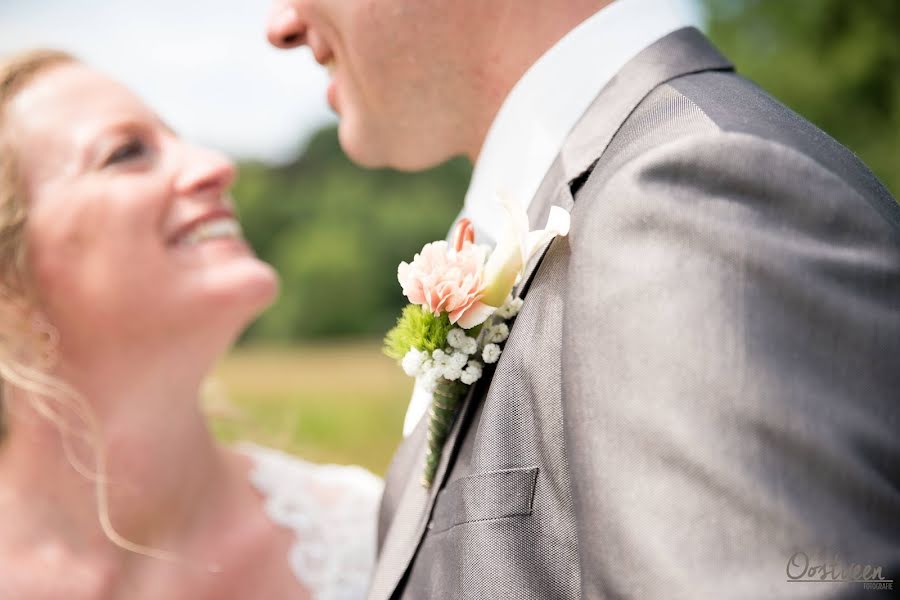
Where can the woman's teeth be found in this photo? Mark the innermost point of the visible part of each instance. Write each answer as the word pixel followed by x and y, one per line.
pixel 216 229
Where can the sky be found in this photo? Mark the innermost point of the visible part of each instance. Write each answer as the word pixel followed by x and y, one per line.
pixel 204 65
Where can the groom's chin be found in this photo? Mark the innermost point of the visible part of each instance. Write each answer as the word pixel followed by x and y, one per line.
pixel 363 148
pixel 379 151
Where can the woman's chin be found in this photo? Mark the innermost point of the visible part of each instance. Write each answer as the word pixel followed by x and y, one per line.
pixel 242 289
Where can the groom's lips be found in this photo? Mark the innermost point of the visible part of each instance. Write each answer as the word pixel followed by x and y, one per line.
pixel 325 57
pixel 332 95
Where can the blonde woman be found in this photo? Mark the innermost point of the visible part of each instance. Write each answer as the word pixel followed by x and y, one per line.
pixel 124 278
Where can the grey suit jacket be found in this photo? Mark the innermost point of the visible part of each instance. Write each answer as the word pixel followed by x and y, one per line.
pixel 703 386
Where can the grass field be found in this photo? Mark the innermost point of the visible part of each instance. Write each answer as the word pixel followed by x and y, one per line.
pixel 341 403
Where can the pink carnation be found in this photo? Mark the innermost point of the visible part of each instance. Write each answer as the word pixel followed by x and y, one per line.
pixel 443 280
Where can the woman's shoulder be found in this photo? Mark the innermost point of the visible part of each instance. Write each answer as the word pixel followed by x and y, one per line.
pixel 332 512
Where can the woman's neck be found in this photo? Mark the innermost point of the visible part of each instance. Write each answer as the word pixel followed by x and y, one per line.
pixel 163 477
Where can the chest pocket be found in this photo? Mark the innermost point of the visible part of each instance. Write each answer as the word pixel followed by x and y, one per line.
pixel 484 497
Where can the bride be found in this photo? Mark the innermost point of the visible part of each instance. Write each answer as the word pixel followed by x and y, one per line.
pixel 124 278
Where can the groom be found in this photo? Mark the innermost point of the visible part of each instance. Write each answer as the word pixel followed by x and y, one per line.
pixel 701 395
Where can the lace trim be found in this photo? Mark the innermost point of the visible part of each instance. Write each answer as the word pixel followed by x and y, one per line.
pixel 332 511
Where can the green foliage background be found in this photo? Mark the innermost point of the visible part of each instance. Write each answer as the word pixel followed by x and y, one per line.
pixel 836 62
pixel 336 232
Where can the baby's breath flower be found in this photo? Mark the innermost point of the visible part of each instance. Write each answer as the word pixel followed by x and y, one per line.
pixel 469 376
pixel 412 362
pixel 459 359
pixel 469 346
pixel 456 338
pixel 472 373
pixel 451 372
pixel 491 354
pixel 510 308
pixel 498 333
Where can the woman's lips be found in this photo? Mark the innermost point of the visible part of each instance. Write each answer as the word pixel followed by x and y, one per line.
pixel 214 225
pixel 215 229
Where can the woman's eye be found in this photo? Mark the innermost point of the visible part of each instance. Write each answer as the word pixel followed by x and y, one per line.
pixel 128 151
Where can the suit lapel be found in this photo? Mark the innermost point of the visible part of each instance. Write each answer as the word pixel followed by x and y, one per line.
pixel 680 53
pixel 415 505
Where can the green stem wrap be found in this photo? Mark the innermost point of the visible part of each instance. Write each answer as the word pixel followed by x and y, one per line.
pixel 445 403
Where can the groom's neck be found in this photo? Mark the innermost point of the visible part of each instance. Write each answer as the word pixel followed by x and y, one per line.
pixel 518 38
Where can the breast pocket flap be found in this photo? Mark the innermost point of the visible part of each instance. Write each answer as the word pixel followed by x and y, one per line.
pixel 484 497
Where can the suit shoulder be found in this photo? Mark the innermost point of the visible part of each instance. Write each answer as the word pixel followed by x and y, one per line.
pixel 718 126
pixel 737 105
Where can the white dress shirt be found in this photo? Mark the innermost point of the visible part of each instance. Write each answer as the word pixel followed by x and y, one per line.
pixel 543 107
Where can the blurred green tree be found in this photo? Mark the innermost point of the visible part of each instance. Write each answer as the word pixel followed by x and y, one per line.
pixel 836 62
pixel 336 233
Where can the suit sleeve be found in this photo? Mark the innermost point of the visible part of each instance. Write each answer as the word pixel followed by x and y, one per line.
pixel 731 376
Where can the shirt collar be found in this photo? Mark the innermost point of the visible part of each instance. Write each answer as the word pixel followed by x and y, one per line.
pixel 543 107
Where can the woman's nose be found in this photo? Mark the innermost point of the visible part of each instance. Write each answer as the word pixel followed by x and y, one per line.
pixel 285 28
pixel 206 172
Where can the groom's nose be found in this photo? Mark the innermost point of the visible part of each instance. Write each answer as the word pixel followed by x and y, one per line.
pixel 285 28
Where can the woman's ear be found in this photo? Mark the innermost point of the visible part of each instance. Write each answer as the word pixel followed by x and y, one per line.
pixel 26 336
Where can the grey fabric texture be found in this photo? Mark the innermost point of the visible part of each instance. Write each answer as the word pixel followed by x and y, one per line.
pixel 705 375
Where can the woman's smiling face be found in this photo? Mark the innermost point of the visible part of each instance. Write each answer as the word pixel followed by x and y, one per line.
pixel 130 236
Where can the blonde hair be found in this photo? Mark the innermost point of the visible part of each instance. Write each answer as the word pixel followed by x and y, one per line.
pixel 20 353
pixel 16 72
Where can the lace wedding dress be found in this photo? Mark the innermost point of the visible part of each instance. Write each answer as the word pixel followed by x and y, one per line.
pixel 332 511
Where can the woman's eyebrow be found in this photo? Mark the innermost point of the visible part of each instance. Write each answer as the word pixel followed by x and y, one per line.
pixel 93 144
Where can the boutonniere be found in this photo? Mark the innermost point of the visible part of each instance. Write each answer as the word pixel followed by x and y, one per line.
pixel 460 307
